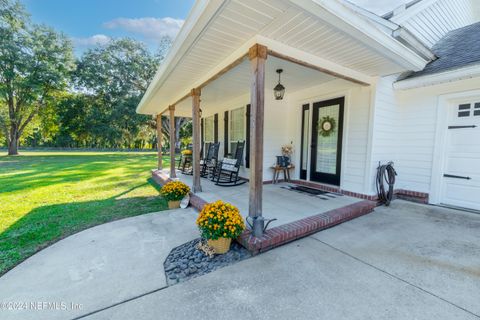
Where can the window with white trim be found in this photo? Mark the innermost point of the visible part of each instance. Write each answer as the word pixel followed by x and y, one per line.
pixel 208 129
pixel 237 127
pixel 468 109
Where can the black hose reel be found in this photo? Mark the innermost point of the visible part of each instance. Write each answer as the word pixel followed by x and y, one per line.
pixel 385 177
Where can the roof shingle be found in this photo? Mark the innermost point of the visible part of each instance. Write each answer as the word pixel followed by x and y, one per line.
pixel 458 48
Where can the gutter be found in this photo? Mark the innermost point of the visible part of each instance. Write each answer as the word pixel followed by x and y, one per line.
pixel 439 78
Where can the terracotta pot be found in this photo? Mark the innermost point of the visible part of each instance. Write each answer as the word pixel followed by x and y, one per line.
pixel 173 204
pixel 221 245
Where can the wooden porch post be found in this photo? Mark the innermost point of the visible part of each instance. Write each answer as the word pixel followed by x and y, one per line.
pixel 172 141
pixel 258 56
pixel 196 139
pixel 159 141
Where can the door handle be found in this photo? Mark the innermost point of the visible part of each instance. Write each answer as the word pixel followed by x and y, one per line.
pixel 462 127
pixel 456 177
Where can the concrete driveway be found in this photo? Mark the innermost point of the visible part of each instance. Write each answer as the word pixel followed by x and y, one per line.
pixel 404 262
pixel 96 267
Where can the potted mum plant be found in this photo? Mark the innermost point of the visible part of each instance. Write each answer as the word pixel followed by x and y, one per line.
pixel 220 222
pixel 174 192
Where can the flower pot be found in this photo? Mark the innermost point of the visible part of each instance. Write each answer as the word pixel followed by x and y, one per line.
pixel 221 245
pixel 174 204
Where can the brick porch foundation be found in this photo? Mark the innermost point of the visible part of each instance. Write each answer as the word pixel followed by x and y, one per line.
pixel 285 233
pixel 413 196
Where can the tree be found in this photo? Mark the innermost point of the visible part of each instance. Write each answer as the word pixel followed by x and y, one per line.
pixel 118 74
pixel 35 63
pixel 180 122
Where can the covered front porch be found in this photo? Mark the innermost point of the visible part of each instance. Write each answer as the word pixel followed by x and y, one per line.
pixel 243 90
pixel 222 72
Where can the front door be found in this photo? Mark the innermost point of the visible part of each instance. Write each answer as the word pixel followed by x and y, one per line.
pixel 327 132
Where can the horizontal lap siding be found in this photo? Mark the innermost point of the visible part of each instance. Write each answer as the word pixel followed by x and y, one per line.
pixel 283 125
pixel 404 133
pixel 387 125
pixel 431 24
pixel 404 130
pixel 276 125
pixel 356 127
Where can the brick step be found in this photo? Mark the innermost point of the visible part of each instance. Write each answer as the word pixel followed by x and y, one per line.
pixel 285 233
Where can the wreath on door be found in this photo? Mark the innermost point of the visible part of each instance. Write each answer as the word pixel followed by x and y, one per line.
pixel 327 126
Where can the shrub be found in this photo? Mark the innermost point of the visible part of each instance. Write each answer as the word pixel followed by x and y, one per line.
pixel 187 152
pixel 174 191
pixel 220 220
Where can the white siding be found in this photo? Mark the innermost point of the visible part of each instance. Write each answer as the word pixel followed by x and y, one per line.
pixel 419 120
pixel 283 126
pixel 432 23
pixel 275 127
pixel 403 133
pixel 404 130
pixel 356 127
pixel 386 125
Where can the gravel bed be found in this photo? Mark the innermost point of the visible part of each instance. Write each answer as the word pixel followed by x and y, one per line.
pixel 186 261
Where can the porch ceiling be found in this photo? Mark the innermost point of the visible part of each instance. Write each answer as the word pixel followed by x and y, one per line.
pixel 219 31
pixel 236 83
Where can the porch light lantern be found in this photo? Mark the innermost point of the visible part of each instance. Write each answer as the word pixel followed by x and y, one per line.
pixel 279 90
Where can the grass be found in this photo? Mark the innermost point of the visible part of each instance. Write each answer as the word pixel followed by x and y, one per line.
pixel 46 196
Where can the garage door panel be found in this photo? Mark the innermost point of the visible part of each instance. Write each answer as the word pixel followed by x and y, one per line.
pixel 461 186
pixel 463 165
pixel 454 194
pixel 469 137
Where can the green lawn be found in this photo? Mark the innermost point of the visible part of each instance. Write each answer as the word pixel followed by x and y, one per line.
pixel 46 196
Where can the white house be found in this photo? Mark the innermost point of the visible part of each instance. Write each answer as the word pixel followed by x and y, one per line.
pixel 404 87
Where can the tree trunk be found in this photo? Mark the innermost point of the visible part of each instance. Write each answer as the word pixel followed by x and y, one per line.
pixel 13 146
pixel 179 122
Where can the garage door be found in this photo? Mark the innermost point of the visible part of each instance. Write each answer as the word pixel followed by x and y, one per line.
pixel 461 176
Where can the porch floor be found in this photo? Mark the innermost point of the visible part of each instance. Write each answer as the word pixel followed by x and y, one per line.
pixel 278 202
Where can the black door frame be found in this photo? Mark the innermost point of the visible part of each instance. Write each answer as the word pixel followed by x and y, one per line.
pixel 333 179
pixel 305 122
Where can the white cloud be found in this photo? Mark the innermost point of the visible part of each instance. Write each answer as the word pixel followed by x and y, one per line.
pixel 98 39
pixel 150 28
pixel 379 7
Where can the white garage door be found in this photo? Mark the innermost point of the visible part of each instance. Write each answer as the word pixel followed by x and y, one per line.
pixel 461 176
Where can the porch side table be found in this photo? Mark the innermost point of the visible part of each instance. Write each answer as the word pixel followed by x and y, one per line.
pixel 286 172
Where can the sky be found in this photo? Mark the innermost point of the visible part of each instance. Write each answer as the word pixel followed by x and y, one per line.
pixel 93 22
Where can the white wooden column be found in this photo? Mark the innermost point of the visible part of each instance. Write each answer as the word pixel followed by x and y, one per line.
pixel 196 139
pixel 159 141
pixel 172 141
pixel 258 56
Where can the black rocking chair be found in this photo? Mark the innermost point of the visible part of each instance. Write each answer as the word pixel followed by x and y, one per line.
pixel 226 173
pixel 186 162
pixel 211 159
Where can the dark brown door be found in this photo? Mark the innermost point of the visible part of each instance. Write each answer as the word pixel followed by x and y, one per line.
pixel 326 147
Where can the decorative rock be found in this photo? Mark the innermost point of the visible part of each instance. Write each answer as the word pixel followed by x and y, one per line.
pixel 186 261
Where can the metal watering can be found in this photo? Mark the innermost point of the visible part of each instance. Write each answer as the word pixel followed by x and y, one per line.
pixel 258 225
